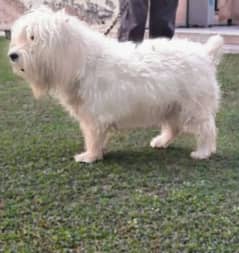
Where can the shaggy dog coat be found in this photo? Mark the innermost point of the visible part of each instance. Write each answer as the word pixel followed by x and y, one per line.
pixel 105 84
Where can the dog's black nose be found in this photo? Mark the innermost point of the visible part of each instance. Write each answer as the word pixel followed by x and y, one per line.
pixel 13 56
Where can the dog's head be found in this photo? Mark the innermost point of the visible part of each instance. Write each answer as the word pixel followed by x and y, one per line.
pixel 29 48
pixel 40 49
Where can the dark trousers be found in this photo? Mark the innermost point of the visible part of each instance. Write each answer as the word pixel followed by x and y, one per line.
pixel 133 16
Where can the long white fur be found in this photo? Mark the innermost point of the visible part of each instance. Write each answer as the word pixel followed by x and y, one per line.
pixel 105 84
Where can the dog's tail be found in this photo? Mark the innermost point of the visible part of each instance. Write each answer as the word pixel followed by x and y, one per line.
pixel 214 47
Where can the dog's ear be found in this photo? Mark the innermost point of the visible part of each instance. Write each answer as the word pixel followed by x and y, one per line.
pixel 76 53
pixel 39 25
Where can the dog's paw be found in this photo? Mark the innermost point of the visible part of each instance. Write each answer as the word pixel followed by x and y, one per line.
pixel 87 157
pixel 158 142
pixel 200 155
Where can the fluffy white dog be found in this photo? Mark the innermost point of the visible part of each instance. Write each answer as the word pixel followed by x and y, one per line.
pixel 105 84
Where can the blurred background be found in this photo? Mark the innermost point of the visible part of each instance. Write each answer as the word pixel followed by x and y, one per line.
pixel 196 20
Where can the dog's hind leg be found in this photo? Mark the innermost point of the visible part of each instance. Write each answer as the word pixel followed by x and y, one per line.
pixel 168 134
pixel 205 134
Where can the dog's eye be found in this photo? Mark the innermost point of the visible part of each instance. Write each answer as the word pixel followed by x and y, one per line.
pixel 32 37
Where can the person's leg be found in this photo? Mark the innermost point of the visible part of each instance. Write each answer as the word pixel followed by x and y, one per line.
pixel 133 15
pixel 162 18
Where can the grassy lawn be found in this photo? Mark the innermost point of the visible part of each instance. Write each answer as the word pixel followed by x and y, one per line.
pixel 136 200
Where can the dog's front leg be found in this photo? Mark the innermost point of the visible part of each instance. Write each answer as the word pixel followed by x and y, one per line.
pixel 94 137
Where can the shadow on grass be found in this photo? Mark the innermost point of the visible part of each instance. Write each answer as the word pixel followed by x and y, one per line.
pixel 171 154
pixel 144 155
pixel 175 157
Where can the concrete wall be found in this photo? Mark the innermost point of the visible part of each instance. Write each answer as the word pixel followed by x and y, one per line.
pixel 181 18
pixel 228 9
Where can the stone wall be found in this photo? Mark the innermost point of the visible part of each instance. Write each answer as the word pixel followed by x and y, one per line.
pixel 92 11
pixel 98 13
pixel 10 10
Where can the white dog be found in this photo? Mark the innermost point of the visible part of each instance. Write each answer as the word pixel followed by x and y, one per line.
pixel 105 84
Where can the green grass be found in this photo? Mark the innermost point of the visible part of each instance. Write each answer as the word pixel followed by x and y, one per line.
pixel 136 200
